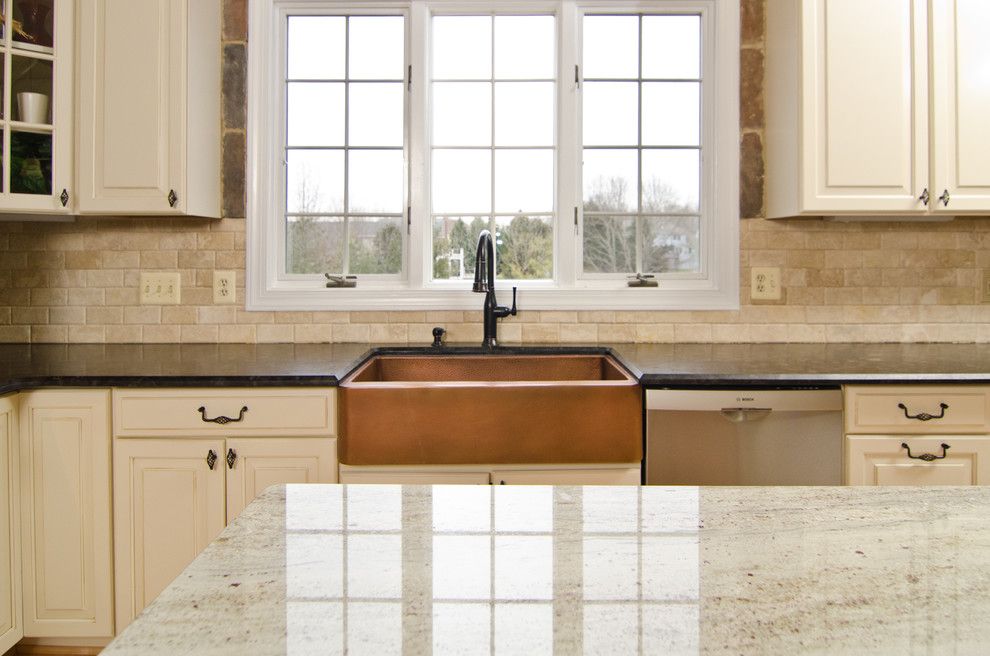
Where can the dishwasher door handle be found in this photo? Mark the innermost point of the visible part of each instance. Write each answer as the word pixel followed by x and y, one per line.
pixel 739 415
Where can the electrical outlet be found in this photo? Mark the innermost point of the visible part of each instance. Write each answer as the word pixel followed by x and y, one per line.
pixel 224 286
pixel 985 290
pixel 160 288
pixel 764 284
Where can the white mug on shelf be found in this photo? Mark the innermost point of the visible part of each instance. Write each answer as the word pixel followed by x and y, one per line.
pixel 32 107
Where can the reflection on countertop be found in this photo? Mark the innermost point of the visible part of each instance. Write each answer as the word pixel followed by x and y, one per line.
pixel 325 569
pixel 24 366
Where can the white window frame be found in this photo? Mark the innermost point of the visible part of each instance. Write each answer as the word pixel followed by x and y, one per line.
pixel 267 288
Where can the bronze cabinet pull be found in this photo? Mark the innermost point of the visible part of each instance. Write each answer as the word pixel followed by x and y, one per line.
pixel 231 458
pixel 924 416
pixel 211 459
pixel 927 457
pixel 925 197
pixel 944 198
pixel 222 419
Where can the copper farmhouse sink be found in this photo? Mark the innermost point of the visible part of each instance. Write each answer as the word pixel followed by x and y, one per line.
pixel 490 409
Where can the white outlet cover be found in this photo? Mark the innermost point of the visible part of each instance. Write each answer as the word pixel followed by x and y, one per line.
pixel 224 287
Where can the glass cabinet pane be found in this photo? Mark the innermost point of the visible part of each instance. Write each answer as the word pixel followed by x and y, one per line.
pixel 31 89
pixel 32 24
pixel 30 163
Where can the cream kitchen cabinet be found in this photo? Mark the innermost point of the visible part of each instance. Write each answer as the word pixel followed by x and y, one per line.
pixel 149 107
pixel 849 85
pixel 604 474
pixel 36 107
pixel 917 435
pixel 66 541
pixel 187 462
pixel 11 629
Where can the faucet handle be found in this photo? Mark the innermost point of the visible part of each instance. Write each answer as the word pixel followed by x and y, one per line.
pixel 438 334
pixel 513 310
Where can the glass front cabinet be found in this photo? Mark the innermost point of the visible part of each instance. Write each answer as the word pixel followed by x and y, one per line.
pixel 36 122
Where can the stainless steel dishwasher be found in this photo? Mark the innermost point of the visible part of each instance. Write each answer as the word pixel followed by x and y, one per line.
pixel 744 437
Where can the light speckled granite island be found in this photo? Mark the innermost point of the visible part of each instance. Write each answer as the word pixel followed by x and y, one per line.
pixel 567 570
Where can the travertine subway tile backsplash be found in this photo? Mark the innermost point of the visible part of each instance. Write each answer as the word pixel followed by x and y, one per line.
pixel 870 282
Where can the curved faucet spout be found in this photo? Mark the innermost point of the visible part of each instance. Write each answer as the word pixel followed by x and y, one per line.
pixel 484 283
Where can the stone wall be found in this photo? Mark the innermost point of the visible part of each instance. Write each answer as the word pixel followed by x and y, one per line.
pixel 871 282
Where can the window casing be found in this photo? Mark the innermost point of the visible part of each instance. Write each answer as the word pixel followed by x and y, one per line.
pixel 709 281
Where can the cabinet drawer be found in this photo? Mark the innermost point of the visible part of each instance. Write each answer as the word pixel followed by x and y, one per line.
pixel 180 412
pixel 884 460
pixel 923 409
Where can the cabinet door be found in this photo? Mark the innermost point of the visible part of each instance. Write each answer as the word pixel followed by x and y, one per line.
pixel 10 564
pixel 168 505
pixel 882 460
pixel 961 102
pixel 130 155
pixel 254 464
pixel 65 513
pixel 865 104
pixel 617 476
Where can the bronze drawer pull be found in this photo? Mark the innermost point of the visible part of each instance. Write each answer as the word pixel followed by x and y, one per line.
pixel 927 457
pixel 924 416
pixel 211 459
pixel 222 419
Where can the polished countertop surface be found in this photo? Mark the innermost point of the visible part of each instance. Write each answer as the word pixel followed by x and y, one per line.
pixel 25 366
pixel 331 569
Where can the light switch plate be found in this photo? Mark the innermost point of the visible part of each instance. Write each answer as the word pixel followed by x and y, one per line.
pixel 764 284
pixel 160 288
pixel 224 287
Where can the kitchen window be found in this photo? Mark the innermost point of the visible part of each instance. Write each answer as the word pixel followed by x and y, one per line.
pixel 596 141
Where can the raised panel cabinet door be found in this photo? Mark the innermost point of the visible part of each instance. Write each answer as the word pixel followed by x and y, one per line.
pixel 66 545
pixel 128 158
pixel 10 563
pixel 254 464
pixel 882 460
pixel 865 101
pixel 961 105
pixel 168 506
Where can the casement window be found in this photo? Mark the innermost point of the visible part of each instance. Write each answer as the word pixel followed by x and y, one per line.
pixel 598 142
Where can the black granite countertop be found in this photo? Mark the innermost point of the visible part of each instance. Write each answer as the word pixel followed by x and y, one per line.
pixel 25 366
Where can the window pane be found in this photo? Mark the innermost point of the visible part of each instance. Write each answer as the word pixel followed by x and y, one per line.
pixel 375 117
pixel 315 181
pixel 671 243
pixel 671 113
pixel 462 113
pixel 316 47
pixel 377 48
pixel 375 245
pixel 670 181
pixel 611 46
pixel 611 113
pixel 314 244
pixel 524 247
pixel 455 243
pixel 523 181
pixel 610 181
pixel 672 47
pixel 524 114
pixel 375 181
pixel 524 47
pixel 462 181
pixel 315 114
pixel 609 244
pixel 462 47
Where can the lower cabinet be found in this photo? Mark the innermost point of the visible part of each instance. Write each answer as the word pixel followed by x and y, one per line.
pixel 494 474
pixel 918 460
pixel 11 629
pixel 173 496
pixel 66 541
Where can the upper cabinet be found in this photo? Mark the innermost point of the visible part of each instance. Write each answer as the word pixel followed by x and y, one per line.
pixel 36 109
pixel 877 107
pixel 149 107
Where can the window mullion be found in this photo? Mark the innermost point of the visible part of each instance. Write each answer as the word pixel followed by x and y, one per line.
pixel 568 141
pixel 420 252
